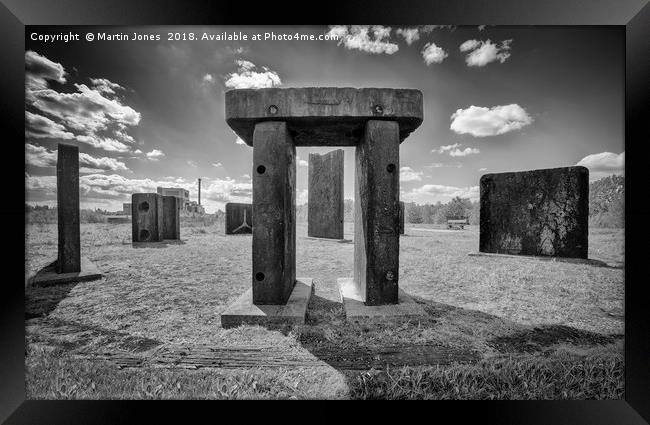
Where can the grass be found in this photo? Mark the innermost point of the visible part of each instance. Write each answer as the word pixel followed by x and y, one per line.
pixel 160 295
pixel 597 377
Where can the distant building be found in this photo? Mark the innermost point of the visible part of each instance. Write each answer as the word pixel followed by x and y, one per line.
pixel 184 196
pixel 194 207
pixel 126 208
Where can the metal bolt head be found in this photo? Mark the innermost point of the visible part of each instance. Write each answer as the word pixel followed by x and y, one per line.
pixel 273 109
pixel 389 275
pixel 378 109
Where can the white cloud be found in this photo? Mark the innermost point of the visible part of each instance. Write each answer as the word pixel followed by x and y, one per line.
pixel 464 152
pixel 39 156
pixel 38 127
pixel 433 54
pixel 443 149
pixel 431 193
pixel 247 77
pixel 410 34
pixel 86 115
pixel 217 164
pixel 481 121
pixel 192 163
pixel 39 70
pixel 101 163
pixel 105 86
pixel 482 169
pixel 603 164
pixel 454 150
pixel 484 52
pixel 208 78
pixel 302 197
pixel 301 162
pixel 407 174
pixel 155 154
pixel 369 39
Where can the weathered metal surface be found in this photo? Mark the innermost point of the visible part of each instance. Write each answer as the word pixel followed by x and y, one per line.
pixel 325 195
pixel 239 218
pixel 67 199
pixel 171 220
pixel 376 225
pixel 539 212
pixel 146 217
pixel 323 116
pixel 274 213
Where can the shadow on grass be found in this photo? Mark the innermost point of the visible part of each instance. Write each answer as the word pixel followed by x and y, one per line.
pixel 42 300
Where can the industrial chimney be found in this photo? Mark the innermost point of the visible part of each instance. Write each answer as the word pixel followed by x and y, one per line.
pixel 199 191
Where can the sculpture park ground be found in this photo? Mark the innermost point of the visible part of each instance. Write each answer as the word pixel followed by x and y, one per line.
pixel 495 327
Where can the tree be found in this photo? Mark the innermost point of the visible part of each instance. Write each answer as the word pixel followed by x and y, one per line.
pixel 458 208
pixel 413 213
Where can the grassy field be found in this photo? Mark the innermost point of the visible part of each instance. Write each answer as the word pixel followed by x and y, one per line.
pixel 496 327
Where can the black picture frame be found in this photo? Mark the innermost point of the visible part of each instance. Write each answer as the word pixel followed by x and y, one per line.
pixel 633 15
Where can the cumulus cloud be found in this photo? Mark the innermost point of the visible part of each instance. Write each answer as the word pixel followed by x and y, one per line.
pixel 208 78
pixel 370 39
pixel 217 164
pixel 155 154
pixel 407 174
pixel 603 164
pixel 39 127
pixel 91 114
pixel 249 76
pixel 410 35
pixel 105 86
pixel 433 54
pixel 39 70
pixel 482 122
pixel 432 193
pixel 483 52
pixel 482 169
pixel 454 150
pixel 39 156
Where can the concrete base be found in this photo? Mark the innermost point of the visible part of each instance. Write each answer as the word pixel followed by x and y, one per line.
pixel 587 261
pixel 48 276
pixel 244 312
pixel 355 309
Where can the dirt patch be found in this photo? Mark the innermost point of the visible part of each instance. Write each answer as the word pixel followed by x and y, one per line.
pixel 541 338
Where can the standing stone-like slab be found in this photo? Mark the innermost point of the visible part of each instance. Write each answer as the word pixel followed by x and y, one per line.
pixel 376 222
pixel 239 218
pixel 146 217
pixel 325 195
pixel 69 265
pixel 401 217
pixel 171 222
pixel 67 198
pixel 274 213
pixel 539 212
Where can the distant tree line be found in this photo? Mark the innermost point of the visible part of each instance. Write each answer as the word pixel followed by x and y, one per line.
pixel 606 209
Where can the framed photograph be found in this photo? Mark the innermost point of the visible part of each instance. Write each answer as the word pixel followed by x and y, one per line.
pixel 403 202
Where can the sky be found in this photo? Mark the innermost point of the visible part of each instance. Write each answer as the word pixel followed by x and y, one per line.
pixel 148 113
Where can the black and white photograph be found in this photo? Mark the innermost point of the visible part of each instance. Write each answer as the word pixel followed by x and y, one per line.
pixel 363 212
